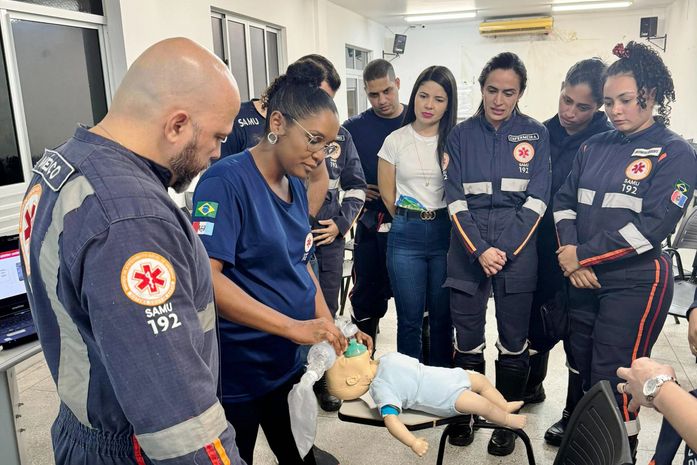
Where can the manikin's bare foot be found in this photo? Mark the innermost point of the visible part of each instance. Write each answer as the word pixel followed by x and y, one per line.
pixel 516 421
pixel 514 406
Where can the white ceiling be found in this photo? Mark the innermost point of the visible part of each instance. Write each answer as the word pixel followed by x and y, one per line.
pixel 392 12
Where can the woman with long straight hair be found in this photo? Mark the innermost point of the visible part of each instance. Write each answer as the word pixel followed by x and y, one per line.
pixel 497 190
pixel 410 177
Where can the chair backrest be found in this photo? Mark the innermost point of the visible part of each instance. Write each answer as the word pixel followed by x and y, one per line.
pixel 595 434
pixel 189 201
pixel 686 235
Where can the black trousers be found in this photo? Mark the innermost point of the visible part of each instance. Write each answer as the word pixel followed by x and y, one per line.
pixel 330 263
pixel 614 325
pixel 371 289
pixel 269 411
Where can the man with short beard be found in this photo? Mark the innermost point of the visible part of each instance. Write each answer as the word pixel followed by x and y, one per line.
pixel 119 284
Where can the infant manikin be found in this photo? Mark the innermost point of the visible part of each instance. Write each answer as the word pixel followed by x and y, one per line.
pixel 397 382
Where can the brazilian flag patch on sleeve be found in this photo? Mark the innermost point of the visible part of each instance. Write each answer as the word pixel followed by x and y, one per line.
pixel 206 209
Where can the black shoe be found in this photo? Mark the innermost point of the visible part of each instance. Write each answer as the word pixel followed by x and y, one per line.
pixel 502 443
pixel 511 382
pixel 633 446
pixel 327 402
pixel 535 396
pixel 534 390
pixel 461 435
pixel 323 457
pixel 555 433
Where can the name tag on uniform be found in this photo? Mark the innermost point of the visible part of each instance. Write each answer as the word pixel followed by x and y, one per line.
pixel 54 169
pixel 523 137
pixel 652 152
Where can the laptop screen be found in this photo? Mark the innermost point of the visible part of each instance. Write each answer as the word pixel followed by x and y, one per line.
pixel 11 276
pixel 13 294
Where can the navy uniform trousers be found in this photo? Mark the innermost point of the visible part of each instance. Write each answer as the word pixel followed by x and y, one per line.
pixel 513 294
pixel 330 262
pixel 614 325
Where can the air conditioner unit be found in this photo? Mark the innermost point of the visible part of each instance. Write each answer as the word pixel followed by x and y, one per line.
pixel 517 26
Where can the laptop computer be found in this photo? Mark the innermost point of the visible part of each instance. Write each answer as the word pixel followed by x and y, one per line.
pixel 16 324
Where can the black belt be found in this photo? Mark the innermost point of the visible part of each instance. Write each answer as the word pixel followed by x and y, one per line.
pixel 429 215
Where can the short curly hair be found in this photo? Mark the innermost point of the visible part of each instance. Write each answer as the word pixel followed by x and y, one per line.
pixel 649 72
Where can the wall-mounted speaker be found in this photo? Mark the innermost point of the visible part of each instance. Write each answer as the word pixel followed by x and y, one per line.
pixel 400 42
pixel 648 26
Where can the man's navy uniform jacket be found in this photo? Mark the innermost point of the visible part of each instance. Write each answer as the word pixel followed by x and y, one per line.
pixel 121 292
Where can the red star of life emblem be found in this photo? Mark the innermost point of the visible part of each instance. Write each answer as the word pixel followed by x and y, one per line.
pixel 28 221
pixel 149 278
pixel 524 152
pixel 638 168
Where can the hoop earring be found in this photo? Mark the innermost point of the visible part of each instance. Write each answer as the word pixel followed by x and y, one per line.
pixel 272 137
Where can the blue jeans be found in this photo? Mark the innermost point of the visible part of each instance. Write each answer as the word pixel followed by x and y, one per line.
pixel 416 261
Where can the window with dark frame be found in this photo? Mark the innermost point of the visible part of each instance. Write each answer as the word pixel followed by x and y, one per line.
pixel 50 104
pixel 251 49
pixel 356 98
pixel 10 163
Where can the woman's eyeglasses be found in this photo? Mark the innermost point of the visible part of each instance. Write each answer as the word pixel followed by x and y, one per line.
pixel 315 143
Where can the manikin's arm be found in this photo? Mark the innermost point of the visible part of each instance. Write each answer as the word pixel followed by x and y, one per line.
pixel 397 429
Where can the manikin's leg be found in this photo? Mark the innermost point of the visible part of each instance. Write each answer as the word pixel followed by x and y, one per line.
pixel 482 386
pixel 471 402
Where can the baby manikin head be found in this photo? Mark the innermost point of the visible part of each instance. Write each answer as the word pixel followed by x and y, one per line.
pixel 350 377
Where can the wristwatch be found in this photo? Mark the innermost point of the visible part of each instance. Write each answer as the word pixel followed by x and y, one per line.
pixel 652 385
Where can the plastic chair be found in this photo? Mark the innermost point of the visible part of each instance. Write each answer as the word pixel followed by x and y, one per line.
pixel 357 411
pixel 685 238
pixel 595 434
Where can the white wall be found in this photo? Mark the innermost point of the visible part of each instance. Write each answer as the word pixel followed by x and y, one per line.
pixel 342 27
pixel 681 58
pixel 309 26
pixel 547 58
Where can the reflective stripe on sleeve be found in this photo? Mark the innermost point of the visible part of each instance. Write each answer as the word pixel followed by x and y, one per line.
pixel 207 317
pixel 474 188
pixel 457 206
pixel 586 196
pixel 186 437
pixel 617 200
pixel 514 185
pixel 74 364
pixel 564 215
pixel 536 205
pixel 355 194
pixel 635 239
pixel 334 183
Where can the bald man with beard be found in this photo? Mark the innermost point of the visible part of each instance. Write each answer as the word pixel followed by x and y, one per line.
pixel 118 281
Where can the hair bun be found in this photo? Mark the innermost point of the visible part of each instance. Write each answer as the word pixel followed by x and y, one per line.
pixel 305 73
pixel 620 51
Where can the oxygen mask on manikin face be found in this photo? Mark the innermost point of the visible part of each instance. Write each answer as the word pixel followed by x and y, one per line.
pixel 302 403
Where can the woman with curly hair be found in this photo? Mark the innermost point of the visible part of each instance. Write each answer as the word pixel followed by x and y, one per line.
pixel 627 190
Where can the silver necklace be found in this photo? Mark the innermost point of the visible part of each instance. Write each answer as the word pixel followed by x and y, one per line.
pixel 418 156
pixel 106 131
